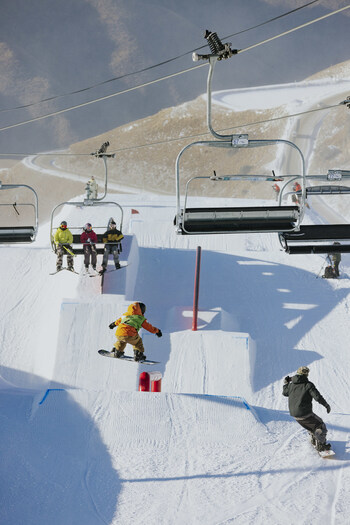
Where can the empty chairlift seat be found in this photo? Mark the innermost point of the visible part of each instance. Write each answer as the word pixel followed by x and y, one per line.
pixel 317 239
pixel 17 234
pixel 235 220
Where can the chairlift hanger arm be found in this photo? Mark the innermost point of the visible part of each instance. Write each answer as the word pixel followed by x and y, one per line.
pixel 101 154
pixel 177 163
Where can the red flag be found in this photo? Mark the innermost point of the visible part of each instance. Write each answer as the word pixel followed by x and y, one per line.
pixel 133 211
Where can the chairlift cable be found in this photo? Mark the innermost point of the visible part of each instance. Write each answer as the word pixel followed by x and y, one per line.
pixel 100 99
pixel 294 29
pixel 82 90
pixel 166 77
pixel 185 137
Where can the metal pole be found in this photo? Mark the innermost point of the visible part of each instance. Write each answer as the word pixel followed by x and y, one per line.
pixel 196 289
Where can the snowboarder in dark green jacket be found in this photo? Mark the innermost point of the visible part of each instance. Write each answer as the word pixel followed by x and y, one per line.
pixel 335 259
pixel 300 392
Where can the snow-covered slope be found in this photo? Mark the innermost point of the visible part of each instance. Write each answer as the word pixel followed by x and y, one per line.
pixel 80 444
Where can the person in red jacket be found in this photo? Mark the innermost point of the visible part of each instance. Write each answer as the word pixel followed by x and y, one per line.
pixel 89 239
pixel 277 190
pixel 128 327
pixel 295 196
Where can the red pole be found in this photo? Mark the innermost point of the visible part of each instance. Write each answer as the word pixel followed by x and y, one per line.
pixel 144 382
pixel 196 289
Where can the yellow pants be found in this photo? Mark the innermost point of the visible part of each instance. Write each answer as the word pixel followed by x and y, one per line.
pixel 133 340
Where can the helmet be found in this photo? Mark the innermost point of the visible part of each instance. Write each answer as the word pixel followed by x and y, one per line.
pixel 303 370
pixel 87 227
pixel 63 225
pixel 143 308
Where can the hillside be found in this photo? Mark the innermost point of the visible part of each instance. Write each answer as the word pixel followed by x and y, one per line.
pixel 138 167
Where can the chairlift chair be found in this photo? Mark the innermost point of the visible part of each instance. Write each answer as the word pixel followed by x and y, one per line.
pixel 258 219
pixel 20 234
pixel 194 221
pixel 320 238
pixel 77 246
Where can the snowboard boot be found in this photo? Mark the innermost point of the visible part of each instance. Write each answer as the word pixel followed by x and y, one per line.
pixel 70 268
pixel 117 266
pixel 313 440
pixel 102 271
pixel 320 447
pixel 139 356
pixel 118 353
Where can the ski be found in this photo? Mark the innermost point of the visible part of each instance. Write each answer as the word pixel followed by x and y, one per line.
pixel 109 271
pixel 58 271
pixel 105 353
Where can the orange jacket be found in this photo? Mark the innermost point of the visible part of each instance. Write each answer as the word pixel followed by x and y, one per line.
pixel 133 315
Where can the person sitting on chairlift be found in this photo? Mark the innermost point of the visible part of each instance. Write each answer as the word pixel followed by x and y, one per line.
pixel 63 240
pixel 89 239
pixel 112 239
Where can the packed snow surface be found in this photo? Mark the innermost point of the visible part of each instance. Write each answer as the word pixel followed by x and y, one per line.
pixel 81 445
pixel 298 94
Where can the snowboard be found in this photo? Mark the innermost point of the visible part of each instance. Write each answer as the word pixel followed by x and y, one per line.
pixel 58 271
pixel 105 353
pixel 98 274
pixel 324 453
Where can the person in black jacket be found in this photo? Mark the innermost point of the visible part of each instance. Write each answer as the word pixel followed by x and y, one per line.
pixel 112 239
pixel 300 392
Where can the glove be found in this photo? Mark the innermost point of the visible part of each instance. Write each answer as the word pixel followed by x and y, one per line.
pixel 328 408
pixel 159 333
pixel 111 326
pixel 287 379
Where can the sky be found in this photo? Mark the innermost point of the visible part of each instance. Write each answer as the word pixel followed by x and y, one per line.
pixel 50 49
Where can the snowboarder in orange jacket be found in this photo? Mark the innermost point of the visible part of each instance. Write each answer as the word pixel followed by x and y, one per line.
pixel 127 332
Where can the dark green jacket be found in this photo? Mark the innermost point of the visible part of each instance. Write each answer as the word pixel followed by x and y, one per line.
pixel 300 392
pixel 336 257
